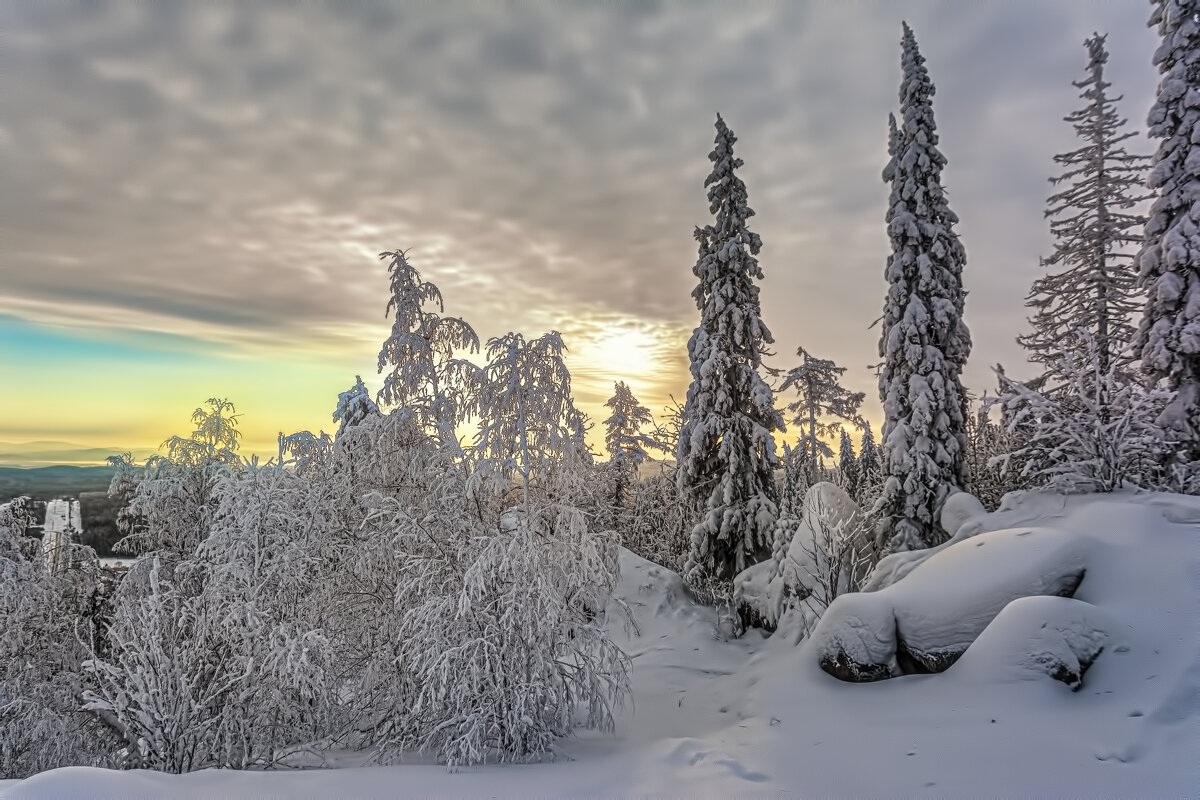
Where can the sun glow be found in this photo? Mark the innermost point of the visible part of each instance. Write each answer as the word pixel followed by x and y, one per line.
pixel 625 349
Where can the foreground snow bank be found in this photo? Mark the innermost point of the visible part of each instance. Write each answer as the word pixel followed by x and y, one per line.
pixel 719 718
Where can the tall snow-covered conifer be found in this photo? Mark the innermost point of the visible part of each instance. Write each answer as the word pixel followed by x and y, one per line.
pixel 1168 337
pixel 1091 285
pixel 924 341
pixel 726 453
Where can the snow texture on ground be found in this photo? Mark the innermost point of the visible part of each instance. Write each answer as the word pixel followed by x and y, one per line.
pixel 757 717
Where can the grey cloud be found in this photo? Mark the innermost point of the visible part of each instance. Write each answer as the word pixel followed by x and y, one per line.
pixel 239 164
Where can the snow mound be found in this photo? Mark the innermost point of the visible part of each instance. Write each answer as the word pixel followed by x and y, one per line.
pixel 1035 637
pixel 924 622
pixel 959 509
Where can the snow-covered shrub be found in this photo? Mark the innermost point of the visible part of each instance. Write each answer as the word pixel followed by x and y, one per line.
pixel 483 579
pixel 170 499
pixel 1096 435
pixel 657 521
pixel 42 725
pixel 220 659
pixel 501 625
pixel 825 551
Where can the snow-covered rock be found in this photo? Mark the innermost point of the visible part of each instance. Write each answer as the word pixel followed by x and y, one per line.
pixel 856 639
pixel 959 509
pixel 944 603
pixel 752 596
pixel 1036 637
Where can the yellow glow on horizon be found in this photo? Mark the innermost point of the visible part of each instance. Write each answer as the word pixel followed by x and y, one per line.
pixel 624 349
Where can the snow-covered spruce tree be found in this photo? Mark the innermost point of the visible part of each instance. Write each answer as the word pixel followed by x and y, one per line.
pixel 1168 336
pixel 422 372
pixel 924 341
pixel 821 397
pixel 1091 284
pixel 848 466
pixel 353 406
pixel 625 441
pixel 725 452
pixel 870 467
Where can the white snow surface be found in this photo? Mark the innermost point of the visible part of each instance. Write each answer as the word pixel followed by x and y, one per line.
pixel 757 717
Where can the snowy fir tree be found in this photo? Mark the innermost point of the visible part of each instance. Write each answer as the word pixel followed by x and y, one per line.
pixel 624 439
pixel 353 406
pixel 726 453
pixel 422 372
pixel 1168 336
pixel 823 404
pixel 870 465
pixel 848 465
pixel 1091 284
pixel 623 435
pixel 924 341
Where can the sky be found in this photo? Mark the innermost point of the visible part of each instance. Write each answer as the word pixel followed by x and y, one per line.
pixel 195 193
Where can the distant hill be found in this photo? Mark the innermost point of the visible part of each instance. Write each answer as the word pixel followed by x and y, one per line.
pixel 47 483
pixel 46 453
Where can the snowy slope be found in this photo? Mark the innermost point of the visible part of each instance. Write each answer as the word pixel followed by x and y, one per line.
pixel 752 717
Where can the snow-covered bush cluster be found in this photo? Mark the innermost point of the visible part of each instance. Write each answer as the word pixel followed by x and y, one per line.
pixel 386 589
pixel 46 632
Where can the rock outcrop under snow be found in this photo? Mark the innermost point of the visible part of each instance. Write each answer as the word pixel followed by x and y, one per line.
pixel 930 618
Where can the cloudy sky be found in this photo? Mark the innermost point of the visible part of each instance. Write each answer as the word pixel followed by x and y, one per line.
pixel 195 193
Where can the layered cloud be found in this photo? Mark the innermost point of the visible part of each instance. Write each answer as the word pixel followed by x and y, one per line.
pixel 228 172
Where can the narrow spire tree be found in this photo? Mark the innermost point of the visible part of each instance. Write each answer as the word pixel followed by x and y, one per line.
pixel 1092 283
pixel 821 397
pixel 726 453
pixel 848 465
pixel 870 468
pixel 924 341
pixel 1168 337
